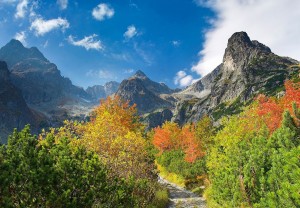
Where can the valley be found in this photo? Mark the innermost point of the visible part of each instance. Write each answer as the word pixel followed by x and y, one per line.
pixel 224 138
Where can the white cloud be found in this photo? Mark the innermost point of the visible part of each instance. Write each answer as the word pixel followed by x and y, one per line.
pixel 176 43
pixel 144 51
pixel 131 32
pixel 128 71
pixel 45 45
pixel 102 74
pixel 103 11
pixel 123 56
pixel 183 79
pixel 21 36
pixel 63 4
pixel 21 9
pixel 33 7
pixel 88 42
pixel 7 1
pixel 41 26
pixel 272 22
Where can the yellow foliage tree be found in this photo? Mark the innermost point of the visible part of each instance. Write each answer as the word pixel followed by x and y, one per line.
pixel 116 134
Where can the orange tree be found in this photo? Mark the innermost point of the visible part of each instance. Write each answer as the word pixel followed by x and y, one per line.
pixel 181 150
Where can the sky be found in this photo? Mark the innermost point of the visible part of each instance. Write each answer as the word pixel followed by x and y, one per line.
pixel 176 42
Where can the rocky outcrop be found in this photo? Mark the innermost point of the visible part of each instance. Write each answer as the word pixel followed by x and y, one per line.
pixel 14 112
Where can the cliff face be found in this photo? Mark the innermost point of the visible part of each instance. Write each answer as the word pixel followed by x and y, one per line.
pixel 14 112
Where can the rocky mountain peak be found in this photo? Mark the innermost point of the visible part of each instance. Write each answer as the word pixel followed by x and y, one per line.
pixel 13 43
pixel 139 74
pixel 239 39
pixel 240 51
pixel 14 52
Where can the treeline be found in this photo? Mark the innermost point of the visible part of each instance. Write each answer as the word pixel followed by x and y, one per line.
pixel 251 160
pixel 105 162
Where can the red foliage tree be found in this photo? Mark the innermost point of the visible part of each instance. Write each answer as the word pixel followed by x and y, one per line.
pixel 271 109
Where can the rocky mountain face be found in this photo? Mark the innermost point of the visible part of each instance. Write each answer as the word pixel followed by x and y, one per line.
pixel 145 93
pixel 38 78
pixel 98 92
pixel 42 86
pixel 14 112
pixel 248 68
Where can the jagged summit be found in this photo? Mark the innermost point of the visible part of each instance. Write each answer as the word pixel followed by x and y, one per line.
pixel 239 38
pixel 14 52
pixel 15 43
pixel 102 91
pixel 241 51
pixel 240 46
pixel 139 74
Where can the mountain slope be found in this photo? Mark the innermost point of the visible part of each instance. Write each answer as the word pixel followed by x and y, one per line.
pixel 42 86
pixel 38 78
pixel 248 68
pixel 14 112
pixel 143 92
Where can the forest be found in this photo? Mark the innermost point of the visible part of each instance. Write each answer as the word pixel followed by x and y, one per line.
pixel 248 160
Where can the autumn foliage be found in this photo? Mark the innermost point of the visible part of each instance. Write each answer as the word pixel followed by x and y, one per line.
pixel 271 109
pixel 116 134
pixel 172 137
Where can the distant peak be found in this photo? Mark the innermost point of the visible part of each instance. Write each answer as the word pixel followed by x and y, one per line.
pixel 140 74
pixel 15 43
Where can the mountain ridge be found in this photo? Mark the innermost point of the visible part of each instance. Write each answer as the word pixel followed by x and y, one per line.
pixel 247 69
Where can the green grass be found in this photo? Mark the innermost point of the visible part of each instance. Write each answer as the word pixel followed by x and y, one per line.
pixel 161 199
pixel 172 177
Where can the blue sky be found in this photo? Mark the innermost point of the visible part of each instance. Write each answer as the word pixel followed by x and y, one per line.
pixel 154 36
pixel 176 42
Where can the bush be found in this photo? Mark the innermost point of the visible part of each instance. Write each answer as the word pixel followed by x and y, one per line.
pixel 53 173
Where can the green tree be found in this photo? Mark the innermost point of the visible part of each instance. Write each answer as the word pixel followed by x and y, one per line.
pixel 52 172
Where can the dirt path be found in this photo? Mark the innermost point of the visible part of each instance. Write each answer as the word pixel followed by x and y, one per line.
pixel 181 198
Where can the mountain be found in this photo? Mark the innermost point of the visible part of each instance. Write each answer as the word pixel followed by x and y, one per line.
pixel 38 78
pixel 248 68
pixel 96 92
pixel 42 86
pixel 145 93
pixel 14 112
pixel 99 91
pixel 111 87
